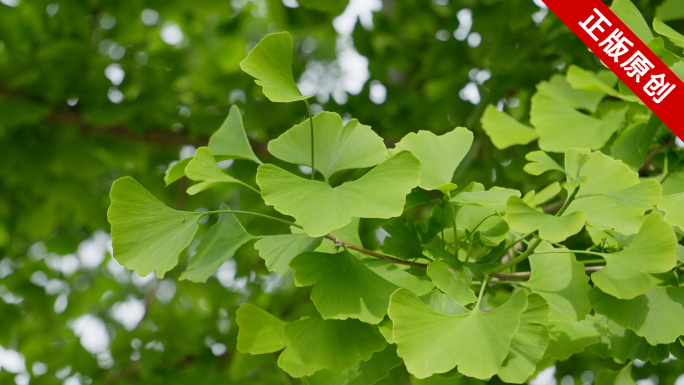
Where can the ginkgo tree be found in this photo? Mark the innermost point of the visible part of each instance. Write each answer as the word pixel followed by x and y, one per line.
pixel 471 281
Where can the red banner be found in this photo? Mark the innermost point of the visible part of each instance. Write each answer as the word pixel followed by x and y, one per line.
pixel 627 56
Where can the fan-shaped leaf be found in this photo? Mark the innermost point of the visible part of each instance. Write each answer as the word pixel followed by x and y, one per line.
pixel 524 219
pixel 452 281
pixel 146 234
pixel 259 332
pixel 673 206
pixel 505 131
pixel 278 250
pixel 230 140
pixel 202 167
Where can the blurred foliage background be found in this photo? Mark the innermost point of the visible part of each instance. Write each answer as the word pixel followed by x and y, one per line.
pixel 94 90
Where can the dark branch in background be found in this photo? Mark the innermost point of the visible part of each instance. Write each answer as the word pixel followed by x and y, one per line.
pixel 649 158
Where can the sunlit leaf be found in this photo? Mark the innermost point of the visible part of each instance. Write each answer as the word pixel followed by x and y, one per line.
pixel 439 155
pixel 653 250
pixel 270 63
pixel 337 147
pixel 278 250
pixel 259 332
pixel 452 281
pixel 495 198
pixel 582 79
pixel 363 373
pixel 217 246
pixel 505 131
pixel 571 337
pixel 629 14
pixel 343 287
pixel 673 206
pixel 146 234
pixel 202 167
pixel 176 171
pixel 540 162
pixel 524 219
pixel 430 342
pixel 623 376
pixel 321 208
pixel 230 140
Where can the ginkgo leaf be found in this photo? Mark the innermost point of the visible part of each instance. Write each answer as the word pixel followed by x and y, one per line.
pixel 558 89
pixel 270 63
pixel 290 362
pixel 529 344
pixel 673 206
pixel 336 147
pixel 620 343
pixel 602 177
pixel 230 140
pixel 561 280
pixel 320 208
pixel 524 219
pixel 146 234
pixel 217 246
pixel 663 29
pixel 343 287
pixel 439 155
pixel 537 198
pixel 505 131
pixel 176 171
pixel 202 167
pixel 452 281
pixel 403 240
pixel 495 198
pixel 581 79
pixel 656 315
pixel 399 276
pixel 430 342
pixel 489 227
pixel 623 376
pixel 362 373
pixel 631 16
pixel 570 337
pixel 259 332
pixel 540 162
pixel 333 344
pixel 653 250
pixel 279 250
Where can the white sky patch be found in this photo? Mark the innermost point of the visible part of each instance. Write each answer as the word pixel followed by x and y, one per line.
pixel 679 143
pixel 378 92
pixel 218 349
pixel 107 21
pixel 6 267
pixel 38 368
pixel 166 291
pixel 66 264
pixel 470 93
pixel 465 23
pixel 545 377
pixel 92 333
pixel 149 16
pixel 474 39
pixel 115 74
pixel 12 361
pixel 52 9
pixel 187 151
pixel 361 10
pixel 92 251
pixel 115 96
pixel 10 3
pixel 171 33
pixel 380 235
pixel 128 313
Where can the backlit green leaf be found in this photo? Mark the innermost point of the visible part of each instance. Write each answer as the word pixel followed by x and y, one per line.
pixel 321 208
pixel 540 162
pixel 623 376
pixel 430 342
pixel 653 250
pixel 673 206
pixel 495 198
pixel 337 147
pixel 270 63
pixel 230 140
pixel 505 131
pixel 452 281
pixel 363 373
pixel 343 287
pixel 278 250
pixel 217 246
pixel 582 79
pixel 630 15
pixel 176 171
pixel 439 155
pixel 524 219
pixel 202 167
pixel 146 234
pixel 259 332
pixel 571 337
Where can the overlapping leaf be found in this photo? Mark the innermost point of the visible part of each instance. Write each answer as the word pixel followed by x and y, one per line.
pixel 343 287
pixel 430 342
pixel 146 234
pixel 540 162
pixel 653 250
pixel 454 282
pixel 336 147
pixel 494 198
pixel 259 332
pixel 504 130
pixel 362 373
pixel 439 155
pixel 673 206
pixel 524 219
pixel 270 63
pixel 321 208
pixel 203 168
pixel 230 140
pixel 571 337
pixel 279 250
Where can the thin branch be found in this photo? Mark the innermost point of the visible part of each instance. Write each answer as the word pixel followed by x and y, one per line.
pixel 374 254
pixel 649 158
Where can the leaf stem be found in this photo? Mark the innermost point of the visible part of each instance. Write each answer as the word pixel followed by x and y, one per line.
pixel 482 288
pixel 453 222
pixel 473 232
pixel 571 197
pixel 254 214
pixel 571 251
pixel 308 109
pixel 375 254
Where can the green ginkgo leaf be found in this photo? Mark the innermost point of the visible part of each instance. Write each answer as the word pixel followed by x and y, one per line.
pixel 343 287
pixel 540 162
pixel 259 332
pixel 623 376
pixel 600 196
pixel 320 208
pixel 603 81
pixel 336 147
pixel 495 198
pixel 561 280
pixel 673 206
pixel 146 234
pixel 631 16
pixel 400 276
pixel 675 37
pixel 230 140
pixel 279 250
pixel 333 344
pixel 176 171
pixel 653 250
pixel 202 167
pixel 439 155
pixel 620 343
pixel 571 337
pixel 217 246
pixel 656 315
pixel 529 344
pixel 362 373
pixel 524 219
pixel 292 364
pixel 270 63
pixel 505 131
pixel 558 89
pixel 452 281
pixel 430 342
